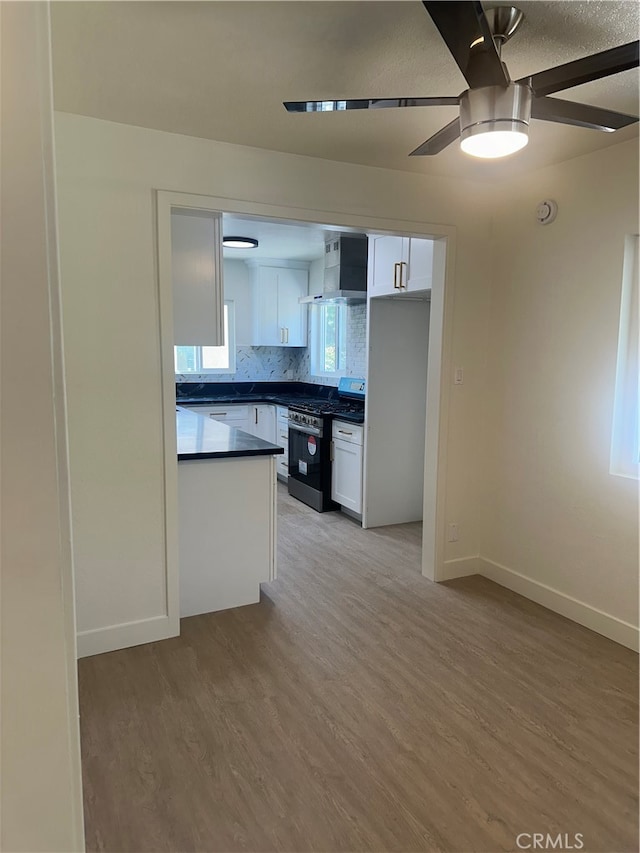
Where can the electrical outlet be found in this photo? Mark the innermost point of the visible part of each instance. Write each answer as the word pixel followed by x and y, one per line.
pixel 289 374
pixel 453 533
pixel 458 376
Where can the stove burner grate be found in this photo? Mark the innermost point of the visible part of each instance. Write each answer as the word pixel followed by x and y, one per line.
pixel 337 407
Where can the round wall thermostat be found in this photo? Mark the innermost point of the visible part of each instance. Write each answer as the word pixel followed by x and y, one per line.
pixel 546 212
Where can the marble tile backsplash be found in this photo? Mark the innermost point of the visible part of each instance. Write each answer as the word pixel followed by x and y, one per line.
pixel 282 364
pixel 256 364
pixel 357 341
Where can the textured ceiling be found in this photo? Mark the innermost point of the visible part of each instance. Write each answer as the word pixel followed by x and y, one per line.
pixel 220 70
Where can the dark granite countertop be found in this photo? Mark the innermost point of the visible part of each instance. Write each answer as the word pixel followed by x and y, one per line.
pixel 204 438
pixel 278 393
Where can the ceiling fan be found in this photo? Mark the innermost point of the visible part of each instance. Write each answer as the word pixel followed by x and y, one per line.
pixel 495 111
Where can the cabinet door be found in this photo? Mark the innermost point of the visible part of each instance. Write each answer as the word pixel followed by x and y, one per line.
pixel 418 256
pixel 196 272
pixel 282 435
pixel 346 475
pixel 385 253
pixel 262 422
pixel 278 318
pixel 266 329
pixel 282 440
pixel 292 317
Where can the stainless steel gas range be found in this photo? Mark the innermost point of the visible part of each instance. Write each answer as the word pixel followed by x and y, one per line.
pixel 310 442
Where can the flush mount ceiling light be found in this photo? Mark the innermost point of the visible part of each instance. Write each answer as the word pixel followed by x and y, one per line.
pixel 495 111
pixel 239 243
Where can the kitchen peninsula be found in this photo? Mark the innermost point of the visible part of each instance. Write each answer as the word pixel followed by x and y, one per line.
pixel 226 515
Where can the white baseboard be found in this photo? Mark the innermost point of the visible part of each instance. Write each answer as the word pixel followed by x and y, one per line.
pixel 584 614
pixel 115 637
pixel 459 568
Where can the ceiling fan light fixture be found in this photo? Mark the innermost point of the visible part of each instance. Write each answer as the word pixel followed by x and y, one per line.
pixel 239 243
pixel 494 120
pixel 492 141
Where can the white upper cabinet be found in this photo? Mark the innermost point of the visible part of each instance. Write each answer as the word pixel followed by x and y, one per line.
pixel 278 318
pixel 399 265
pixel 196 272
pixel 418 273
pixel 382 269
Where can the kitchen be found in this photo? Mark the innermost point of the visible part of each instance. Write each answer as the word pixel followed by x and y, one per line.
pixel 292 370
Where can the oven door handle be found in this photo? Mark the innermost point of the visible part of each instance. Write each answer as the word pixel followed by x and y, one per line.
pixel 307 430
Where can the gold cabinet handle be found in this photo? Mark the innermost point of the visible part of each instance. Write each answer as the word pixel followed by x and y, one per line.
pixel 395 276
pixel 402 286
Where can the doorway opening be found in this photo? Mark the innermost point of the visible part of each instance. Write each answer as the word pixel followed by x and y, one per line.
pixel 399 352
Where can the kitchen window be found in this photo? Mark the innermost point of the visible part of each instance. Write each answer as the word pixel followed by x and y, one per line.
pixel 625 437
pixel 222 359
pixel 328 339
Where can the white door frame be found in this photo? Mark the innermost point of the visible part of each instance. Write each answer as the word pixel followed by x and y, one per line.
pixel 439 357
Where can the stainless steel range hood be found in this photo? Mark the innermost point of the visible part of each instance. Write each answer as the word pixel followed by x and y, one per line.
pixel 345 271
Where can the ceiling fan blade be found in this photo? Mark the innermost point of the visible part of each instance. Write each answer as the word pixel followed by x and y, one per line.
pixel 584 70
pixel 579 115
pixel 363 104
pixel 439 141
pixel 466 32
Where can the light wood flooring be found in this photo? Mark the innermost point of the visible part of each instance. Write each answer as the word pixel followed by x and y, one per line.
pixel 360 707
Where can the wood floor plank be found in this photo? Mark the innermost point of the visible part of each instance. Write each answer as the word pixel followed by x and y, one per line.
pixel 359 707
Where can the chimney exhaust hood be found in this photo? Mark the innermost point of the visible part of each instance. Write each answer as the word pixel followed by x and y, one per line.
pixel 345 271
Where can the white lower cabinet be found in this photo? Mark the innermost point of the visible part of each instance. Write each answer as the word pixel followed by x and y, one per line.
pixel 231 414
pixel 346 472
pixel 282 440
pixel 258 419
pixel 262 421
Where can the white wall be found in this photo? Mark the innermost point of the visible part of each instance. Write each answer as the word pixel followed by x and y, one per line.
pixel 41 797
pixel 553 512
pixel 507 436
pixel 107 174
